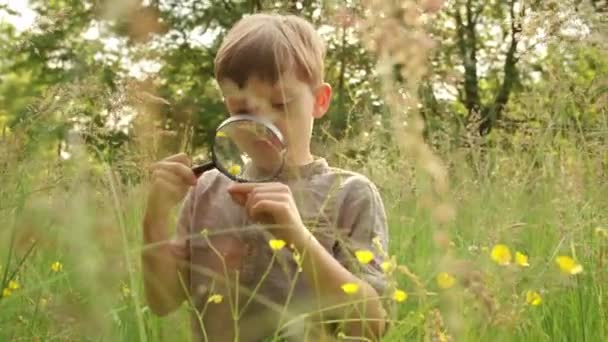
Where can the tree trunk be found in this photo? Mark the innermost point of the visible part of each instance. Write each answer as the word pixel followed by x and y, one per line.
pixel 467 43
pixel 492 113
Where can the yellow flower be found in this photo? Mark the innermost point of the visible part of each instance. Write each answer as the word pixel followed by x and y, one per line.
pixel 378 244
pixel 501 254
pixel 533 298
pixel 445 280
pixel 221 134
pixel 56 267
pixel 276 245
pixel 399 296
pixel 568 265
pixel 297 257
pixel 387 266
pixel 350 288
pixel 215 299
pixel 234 170
pixel 521 259
pixel 6 292
pixel 13 285
pixel 364 256
pixel 125 290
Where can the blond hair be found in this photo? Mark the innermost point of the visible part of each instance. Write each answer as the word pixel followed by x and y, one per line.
pixel 268 45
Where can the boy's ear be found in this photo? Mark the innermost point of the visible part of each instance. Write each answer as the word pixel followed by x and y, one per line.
pixel 322 99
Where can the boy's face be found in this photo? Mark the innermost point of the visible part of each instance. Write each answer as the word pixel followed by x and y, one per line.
pixel 290 104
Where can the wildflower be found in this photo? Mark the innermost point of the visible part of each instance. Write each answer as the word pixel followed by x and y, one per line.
pixel 221 134
pixel 521 259
pixel 399 296
pixel 568 265
pixel 601 232
pixel 125 290
pixel 364 256
pixel 501 254
pixel 297 257
pixel 215 299
pixel 56 267
pixel 13 285
pixel 6 292
pixel 350 288
pixel 378 244
pixel 234 170
pixel 445 280
pixel 276 245
pixel 533 298
pixel 387 266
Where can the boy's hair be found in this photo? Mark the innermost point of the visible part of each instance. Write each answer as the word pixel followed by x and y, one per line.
pixel 267 45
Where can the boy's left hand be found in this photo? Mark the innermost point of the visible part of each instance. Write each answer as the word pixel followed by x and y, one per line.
pixel 274 199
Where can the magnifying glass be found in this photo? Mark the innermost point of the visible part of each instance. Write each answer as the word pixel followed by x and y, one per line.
pixel 246 148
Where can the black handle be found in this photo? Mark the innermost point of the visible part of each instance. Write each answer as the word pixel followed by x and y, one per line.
pixel 200 169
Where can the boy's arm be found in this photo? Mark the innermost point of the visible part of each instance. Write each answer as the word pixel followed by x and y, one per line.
pixel 366 316
pixel 164 261
pixel 363 217
pixel 163 265
pixel 326 274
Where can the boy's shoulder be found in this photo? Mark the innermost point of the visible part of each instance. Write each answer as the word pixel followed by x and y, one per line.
pixel 352 181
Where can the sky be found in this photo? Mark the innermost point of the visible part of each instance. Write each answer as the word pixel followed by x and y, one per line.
pixel 26 16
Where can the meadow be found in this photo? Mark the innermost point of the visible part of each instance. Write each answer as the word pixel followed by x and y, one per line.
pixel 501 236
pixel 71 240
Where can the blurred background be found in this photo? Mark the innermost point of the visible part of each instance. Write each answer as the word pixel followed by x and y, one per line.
pixel 481 121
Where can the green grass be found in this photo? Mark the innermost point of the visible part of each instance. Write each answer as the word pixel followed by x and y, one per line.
pixel 538 203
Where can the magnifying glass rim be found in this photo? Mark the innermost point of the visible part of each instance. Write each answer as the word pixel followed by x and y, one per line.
pixel 246 117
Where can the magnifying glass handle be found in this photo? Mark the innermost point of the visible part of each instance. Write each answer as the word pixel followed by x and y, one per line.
pixel 200 169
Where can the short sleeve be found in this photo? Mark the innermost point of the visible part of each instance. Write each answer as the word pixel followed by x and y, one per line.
pixel 362 218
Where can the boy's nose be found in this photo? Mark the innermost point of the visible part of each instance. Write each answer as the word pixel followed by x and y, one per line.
pixel 250 107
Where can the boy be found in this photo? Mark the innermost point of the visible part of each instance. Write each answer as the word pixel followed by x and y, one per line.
pixel 258 259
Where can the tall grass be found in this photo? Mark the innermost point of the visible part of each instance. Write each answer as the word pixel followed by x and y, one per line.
pixel 70 230
pixel 546 200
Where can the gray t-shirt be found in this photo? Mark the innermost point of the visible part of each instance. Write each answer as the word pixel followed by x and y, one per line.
pixel 343 210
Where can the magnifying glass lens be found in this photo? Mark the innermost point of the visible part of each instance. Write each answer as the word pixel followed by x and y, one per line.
pixel 248 150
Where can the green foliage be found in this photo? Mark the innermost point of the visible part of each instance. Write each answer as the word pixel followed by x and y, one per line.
pixel 80 118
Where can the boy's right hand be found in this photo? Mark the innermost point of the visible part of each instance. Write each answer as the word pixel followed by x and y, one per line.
pixel 171 179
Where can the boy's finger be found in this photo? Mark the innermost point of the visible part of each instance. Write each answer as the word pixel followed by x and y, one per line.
pixel 263 209
pixel 243 188
pixel 180 170
pixel 239 198
pixel 253 199
pixel 162 174
pixel 169 187
pixel 181 158
pixel 258 187
pixel 271 187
